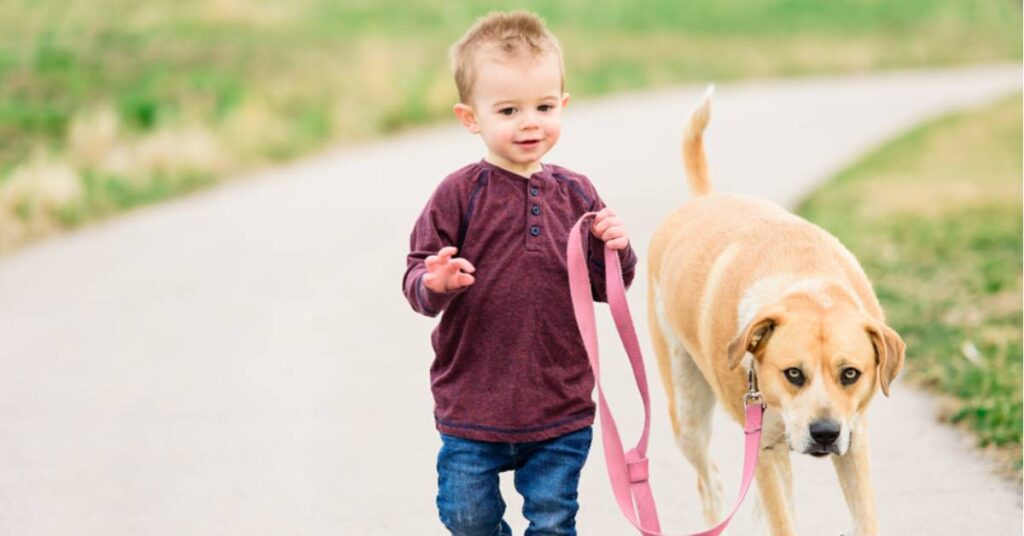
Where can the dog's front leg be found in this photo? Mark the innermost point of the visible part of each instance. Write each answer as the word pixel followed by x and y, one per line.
pixel 774 485
pixel 854 472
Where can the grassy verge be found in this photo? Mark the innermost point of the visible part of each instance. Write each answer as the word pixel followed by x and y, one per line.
pixel 104 107
pixel 935 218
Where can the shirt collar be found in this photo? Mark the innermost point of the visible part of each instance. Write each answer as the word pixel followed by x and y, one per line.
pixel 544 173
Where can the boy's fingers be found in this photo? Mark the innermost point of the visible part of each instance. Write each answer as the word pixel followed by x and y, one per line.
pixel 618 243
pixel 447 252
pixel 607 223
pixel 462 280
pixel 447 283
pixel 433 262
pixel 463 264
pixel 613 232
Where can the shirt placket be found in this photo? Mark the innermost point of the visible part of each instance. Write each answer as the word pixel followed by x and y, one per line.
pixel 534 214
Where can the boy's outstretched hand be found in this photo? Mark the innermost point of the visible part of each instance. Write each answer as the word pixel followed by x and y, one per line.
pixel 608 227
pixel 445 274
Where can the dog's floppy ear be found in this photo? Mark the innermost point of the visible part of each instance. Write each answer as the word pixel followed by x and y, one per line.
pixel 755 336
pixel 889 353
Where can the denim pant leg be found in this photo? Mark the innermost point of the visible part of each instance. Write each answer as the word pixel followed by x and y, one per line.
pixel 468 497
pixel 548 479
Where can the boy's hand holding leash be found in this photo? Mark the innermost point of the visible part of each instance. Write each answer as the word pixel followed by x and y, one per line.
pixel 445 274
pixel 608 227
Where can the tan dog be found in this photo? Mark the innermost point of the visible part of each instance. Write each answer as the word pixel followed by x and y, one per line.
pixel 735 282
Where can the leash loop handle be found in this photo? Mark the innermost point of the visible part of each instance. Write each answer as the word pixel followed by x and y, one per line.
pixel 629 470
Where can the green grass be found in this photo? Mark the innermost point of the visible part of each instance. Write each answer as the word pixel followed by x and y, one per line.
pixel 270 80
pixel 935 218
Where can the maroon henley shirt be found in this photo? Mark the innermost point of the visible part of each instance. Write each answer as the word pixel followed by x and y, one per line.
pixel 509 363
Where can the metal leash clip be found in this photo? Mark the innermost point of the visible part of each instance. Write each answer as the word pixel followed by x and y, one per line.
pixel 752 393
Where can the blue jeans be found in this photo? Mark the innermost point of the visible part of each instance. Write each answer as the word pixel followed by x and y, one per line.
pixel 547 475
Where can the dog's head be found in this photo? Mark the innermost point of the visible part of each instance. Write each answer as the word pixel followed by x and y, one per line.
pixel 818 364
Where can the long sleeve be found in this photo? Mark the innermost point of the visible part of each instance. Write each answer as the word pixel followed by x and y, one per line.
pixel 595 261
pixel 437 227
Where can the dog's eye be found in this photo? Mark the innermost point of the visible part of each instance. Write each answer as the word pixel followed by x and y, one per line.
pixel 850 375
pixel 795 376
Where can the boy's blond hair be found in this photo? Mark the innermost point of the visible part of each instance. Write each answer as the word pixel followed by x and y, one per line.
pixel 508 35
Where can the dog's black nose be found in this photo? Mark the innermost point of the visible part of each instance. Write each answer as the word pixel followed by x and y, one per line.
pixel 825 432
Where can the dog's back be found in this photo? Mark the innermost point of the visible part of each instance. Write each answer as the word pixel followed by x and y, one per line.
pixel 715 246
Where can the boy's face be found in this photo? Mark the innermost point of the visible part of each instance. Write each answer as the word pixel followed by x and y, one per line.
pixel 517 110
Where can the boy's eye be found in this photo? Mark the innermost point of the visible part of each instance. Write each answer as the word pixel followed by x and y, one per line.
pixel 507 111
pixel 545 107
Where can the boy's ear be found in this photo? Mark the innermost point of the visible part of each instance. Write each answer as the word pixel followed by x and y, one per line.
pixel 467 117
pixel 565 100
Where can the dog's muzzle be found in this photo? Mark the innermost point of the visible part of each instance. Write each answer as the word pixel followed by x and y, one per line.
pixel 824 433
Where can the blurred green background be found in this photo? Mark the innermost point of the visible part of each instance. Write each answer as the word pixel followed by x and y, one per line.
pixel 108 106
pixel 111 105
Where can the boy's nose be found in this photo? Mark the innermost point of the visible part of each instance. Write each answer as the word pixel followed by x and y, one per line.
pixel 529 121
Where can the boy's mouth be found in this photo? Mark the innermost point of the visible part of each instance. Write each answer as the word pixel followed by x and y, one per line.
pixel 528 143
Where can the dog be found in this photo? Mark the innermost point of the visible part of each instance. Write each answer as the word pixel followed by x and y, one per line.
pixel 736 282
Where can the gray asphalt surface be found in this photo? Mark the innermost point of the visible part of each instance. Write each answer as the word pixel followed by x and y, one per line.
pixel 243 362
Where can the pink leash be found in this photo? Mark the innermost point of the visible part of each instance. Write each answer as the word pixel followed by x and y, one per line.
pixel 628 470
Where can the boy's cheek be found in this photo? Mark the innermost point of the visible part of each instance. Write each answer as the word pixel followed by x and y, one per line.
pixel 555 132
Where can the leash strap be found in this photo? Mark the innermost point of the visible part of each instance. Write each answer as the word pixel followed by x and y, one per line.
pixel 628 470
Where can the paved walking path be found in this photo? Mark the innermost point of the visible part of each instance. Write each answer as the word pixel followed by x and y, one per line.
pixel 243 362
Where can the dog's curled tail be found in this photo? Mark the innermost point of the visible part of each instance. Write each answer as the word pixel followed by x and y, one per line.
pixel 693 146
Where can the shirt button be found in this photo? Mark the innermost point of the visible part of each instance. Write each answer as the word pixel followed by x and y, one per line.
pixel 535 230
pixel 535 210
pixel 534 191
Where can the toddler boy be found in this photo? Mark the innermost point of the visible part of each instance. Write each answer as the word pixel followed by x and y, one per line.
pixel 511 382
